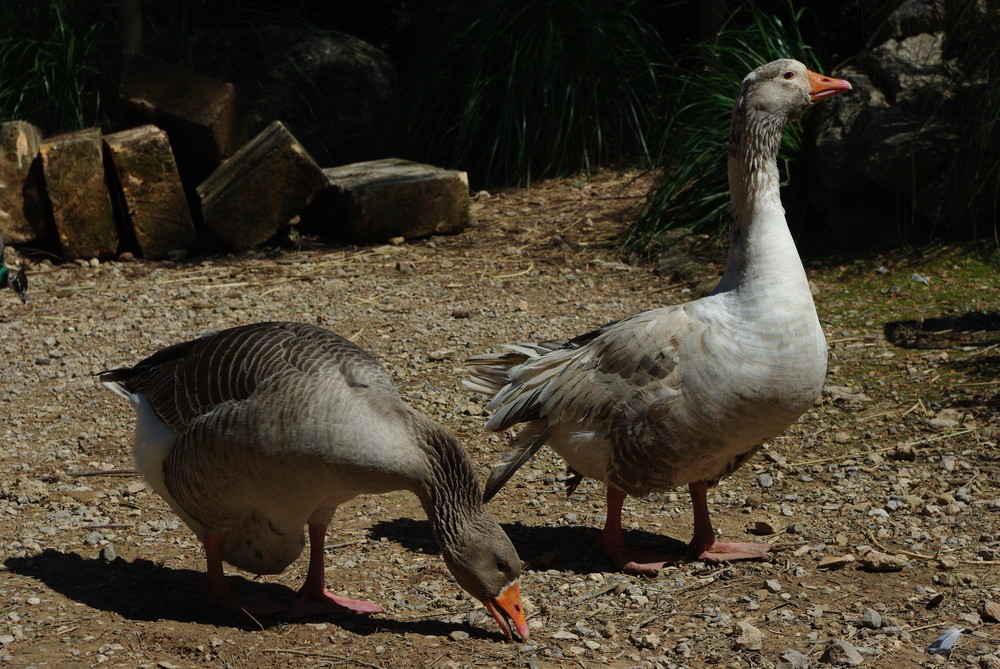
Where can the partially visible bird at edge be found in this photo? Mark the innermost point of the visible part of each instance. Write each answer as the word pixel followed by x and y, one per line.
pixel 16 281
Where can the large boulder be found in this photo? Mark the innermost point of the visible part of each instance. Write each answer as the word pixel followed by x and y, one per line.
pixel 333 91
pixel 889 156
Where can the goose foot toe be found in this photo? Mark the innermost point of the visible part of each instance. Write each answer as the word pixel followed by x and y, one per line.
pixel 324 603
pixel 642 563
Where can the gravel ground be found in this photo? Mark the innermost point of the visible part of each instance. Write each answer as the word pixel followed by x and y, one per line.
pixel 883 502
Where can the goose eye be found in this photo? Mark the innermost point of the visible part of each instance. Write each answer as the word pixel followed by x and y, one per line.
pixel 789 75
pixel 503 566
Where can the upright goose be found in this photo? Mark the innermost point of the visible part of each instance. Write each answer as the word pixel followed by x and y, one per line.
pixel 251 433
pixel 16 281
pixel 683 394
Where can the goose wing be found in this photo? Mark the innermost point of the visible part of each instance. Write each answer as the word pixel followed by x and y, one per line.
pixel 188 380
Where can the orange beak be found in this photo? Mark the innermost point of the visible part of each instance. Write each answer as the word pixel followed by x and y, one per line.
pixel 823 87
pixel 508 605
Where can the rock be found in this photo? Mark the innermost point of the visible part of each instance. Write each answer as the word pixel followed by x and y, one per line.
pixel 108 553
pixel 912 66
pixel 842 654
pixel 793 659
pixel 458 635
pixel 871 619
pixel 21 218
pixel 771 585
pixel 797 527
pixel 989 661
pixel 834 561
pixel 153 200
pixel 765 480
pixel 882 562
pixel 201 114
pixel 913 17
pixel 904 453
pixel 255 193
pixel 762 527
pixel 990 610
pixel 748 637
pixel 846 394
pixel 377 200
pixel 73 166
pixel 334 91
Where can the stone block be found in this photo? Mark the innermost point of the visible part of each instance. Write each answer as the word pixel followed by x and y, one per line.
pixel 202 115
pixel 255 193
pixel 21 218
pixel 73 166
pixel 151 193
pixel 377 200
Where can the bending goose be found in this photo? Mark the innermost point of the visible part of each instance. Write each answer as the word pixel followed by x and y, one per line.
pixel 683 394
pixel 16 281
pixel 253 432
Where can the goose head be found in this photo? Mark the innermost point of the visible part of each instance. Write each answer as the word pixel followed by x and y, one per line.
pixel 484 562
pixel 783 89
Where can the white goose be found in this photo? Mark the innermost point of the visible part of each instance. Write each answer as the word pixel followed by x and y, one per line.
pixel 683 394
pixel 251 433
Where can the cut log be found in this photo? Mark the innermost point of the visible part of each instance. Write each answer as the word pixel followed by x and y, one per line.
pixel 21 218
pixel 260 189
pixel 152 196
pixel 377 200
pixel 201 115
pixel 74 180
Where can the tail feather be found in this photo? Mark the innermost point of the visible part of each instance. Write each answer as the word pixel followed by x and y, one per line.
pixel 114 380
pixel 512 460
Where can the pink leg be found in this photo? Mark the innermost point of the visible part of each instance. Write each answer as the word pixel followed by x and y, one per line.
pixel 704 544
pixel 613 542
pixel 217 588
pixel 314 599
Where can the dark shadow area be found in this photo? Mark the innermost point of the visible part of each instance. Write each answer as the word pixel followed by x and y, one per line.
pixel 144 590
pixel 569 548
pixel 973 328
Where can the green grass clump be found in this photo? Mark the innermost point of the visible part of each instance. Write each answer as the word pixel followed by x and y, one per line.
pixel 517 91
pixel 57 62
pixel 692 192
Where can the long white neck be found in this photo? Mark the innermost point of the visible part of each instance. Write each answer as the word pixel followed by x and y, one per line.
pixel 762 254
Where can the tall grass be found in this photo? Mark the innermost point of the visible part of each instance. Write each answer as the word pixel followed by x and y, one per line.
pixel 58 62
pixel 691 193
pixel 516 91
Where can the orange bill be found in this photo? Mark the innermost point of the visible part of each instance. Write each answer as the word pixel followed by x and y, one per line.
pixel 507 606
pixel 823 87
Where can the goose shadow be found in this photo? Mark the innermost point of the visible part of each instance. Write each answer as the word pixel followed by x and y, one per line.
pixel 144 590
pixel 569 548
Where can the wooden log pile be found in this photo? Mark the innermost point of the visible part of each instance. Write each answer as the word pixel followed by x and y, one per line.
pixel 181 175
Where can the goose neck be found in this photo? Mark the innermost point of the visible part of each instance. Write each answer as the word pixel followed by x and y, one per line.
pixel 447 489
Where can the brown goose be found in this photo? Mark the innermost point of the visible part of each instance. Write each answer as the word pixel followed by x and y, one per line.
pixel 251 433
pixel 684 394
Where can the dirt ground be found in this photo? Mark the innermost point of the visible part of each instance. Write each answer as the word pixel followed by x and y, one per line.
pixel 898 457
